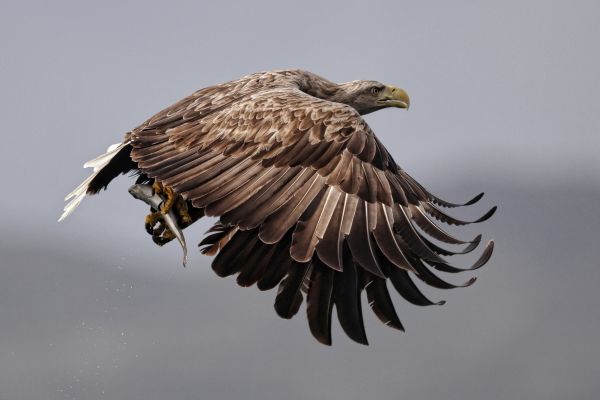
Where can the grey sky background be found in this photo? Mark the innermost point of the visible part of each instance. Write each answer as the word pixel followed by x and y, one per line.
pixel 504 100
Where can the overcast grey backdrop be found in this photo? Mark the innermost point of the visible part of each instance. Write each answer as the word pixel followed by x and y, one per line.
pixel 505 99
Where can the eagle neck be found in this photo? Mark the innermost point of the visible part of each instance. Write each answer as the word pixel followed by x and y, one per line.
pixel 321 88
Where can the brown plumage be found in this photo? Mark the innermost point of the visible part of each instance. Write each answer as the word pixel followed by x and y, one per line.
pixel 306 195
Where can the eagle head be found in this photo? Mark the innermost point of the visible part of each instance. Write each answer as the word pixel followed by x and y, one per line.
pixel 369 96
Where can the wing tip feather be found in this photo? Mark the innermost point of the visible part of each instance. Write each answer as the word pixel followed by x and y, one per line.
pixel 487 215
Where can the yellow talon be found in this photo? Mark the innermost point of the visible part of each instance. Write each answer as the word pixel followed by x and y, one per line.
pixel 168 191
pixel 152 218
pixel 169 201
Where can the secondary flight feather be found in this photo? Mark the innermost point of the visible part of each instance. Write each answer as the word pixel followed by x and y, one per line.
pixel 307 197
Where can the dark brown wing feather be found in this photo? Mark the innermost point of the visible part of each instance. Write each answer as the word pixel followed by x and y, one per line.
pixel 289 296
pixel 347 288
pixel 319 301
pixel 380 301
pixel 308 199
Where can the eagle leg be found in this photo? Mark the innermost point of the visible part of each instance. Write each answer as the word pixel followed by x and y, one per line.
pixel 167 191
pixel 173 200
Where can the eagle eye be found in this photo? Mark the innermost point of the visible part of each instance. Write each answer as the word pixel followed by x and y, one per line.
pixel 375 90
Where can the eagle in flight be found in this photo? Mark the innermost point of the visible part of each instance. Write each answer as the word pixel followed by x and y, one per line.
pixel 307 197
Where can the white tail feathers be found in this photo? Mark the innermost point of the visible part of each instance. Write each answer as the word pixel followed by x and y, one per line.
pixel 77 195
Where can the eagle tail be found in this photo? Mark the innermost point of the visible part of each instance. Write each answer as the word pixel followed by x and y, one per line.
pixel 106 167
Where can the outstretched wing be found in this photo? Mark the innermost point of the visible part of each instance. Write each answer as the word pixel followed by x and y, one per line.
pixel 307 197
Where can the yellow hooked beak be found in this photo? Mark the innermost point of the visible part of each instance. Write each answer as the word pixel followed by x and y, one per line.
pixel 393 96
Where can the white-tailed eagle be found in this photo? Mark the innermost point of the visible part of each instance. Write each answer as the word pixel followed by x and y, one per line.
pixel 307 197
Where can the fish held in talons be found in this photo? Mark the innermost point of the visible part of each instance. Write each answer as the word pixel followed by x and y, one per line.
pixel 146 194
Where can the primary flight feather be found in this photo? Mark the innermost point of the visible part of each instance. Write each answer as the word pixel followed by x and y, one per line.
pixel 308 199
